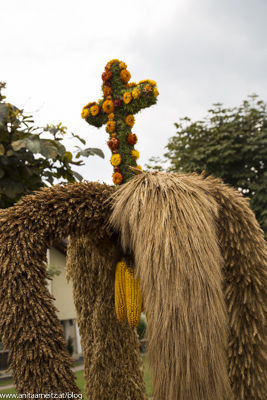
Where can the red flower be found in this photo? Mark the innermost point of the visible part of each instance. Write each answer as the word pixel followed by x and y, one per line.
pixel 107 83
pixel 106 76
pixel 132 138
pixel 117 102
pixel 113 143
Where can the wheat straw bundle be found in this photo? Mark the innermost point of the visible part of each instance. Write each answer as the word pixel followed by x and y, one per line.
pixel 29 326
pixel 113 367
pixel 201 259
pixel 171 224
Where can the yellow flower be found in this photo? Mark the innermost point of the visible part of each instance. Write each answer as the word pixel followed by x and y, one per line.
pixel 130 85
pixel 135 154
pixel 90 104
pixel 127 97
pixel 108 106
pixel 95 110
pixel 111 116
pixel 130 120
pixel 139 167
pixel 155 92
pixel 143 81
pixel 122 65
pixel 115 160
pixel 136 93
pixel 111 125
pixel 85 113
pixel 125 76
pixel 153 83
pixel 113 61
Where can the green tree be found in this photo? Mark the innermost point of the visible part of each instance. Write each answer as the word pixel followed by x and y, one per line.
pixel 29 162
pixel 70 345
pixel 229 143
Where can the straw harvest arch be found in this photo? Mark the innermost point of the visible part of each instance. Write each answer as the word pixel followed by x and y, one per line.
pixel 201 259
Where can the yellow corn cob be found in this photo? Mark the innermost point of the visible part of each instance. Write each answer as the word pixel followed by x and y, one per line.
pixel 133 298
pixel 120 295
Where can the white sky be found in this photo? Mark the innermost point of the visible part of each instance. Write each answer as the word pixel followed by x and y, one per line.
pixel 199 52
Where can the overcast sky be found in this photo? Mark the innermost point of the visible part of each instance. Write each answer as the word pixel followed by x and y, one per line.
pixel 200 52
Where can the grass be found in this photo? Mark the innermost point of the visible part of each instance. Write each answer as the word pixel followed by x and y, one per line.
pixel 80 380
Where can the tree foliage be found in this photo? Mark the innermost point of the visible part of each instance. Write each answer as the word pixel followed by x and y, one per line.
pixel 27 161
pixel 229 143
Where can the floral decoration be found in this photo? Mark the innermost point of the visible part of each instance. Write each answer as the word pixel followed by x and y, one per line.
pixel 111 125
pixel 115 160
pixel 147 88
pixel 155 92
pixel 125 75
pixel 107 91
pixel 136 93
pixel 85 113
pixel 94 110
pixel 132 139
pixel 130 85
pixel 117 102
pixel 135 154
pixel 108 106
pixel 130 120
pixel 121 100
pixel 127 97
pixel 113 143
pixel 122 65
pixel 106 76
pixel 117 178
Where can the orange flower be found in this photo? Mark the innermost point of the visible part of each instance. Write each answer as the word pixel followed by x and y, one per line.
pixel 108 106
pixel 147 88
pixel 117 178
pixel 111 125
pixel 125 76
pixel 130 120
pixel 107 91
pixel 132 138
pixel 127 97
pixel 95 110
pixel 111 116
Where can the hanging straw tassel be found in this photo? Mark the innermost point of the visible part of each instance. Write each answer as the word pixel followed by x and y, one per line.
pixel 168 222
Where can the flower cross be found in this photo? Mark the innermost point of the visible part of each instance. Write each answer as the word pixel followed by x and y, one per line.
pixel 121 101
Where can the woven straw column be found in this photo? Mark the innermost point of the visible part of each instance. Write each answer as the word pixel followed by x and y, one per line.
pixel 113 367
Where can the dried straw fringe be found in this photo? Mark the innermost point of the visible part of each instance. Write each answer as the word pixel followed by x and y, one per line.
pixel 168 222
pixel 38 355
pixel 111 348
